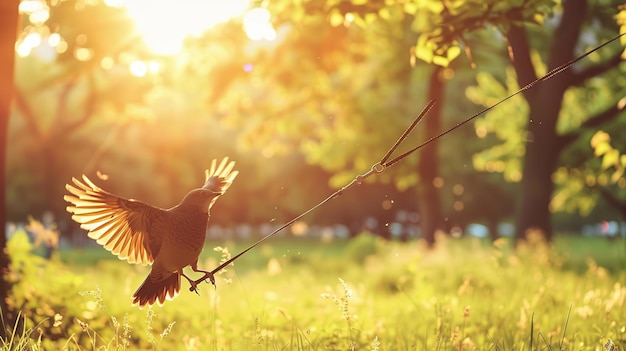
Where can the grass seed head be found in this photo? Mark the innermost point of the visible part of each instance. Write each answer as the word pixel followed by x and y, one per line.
pixel 375 344
pixel 466 311
pixel 96 294
pixel 225 257
pixel 342 302
pixel 167 330
pixel 84 326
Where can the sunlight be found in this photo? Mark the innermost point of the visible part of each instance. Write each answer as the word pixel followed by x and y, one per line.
pixel 138 68
pixel 257 25
pixel 165 24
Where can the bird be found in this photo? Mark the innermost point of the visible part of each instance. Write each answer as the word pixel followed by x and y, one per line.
pixel 167 239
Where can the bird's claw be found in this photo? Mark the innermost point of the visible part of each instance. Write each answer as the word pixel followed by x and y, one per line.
pixel 212 279
pixel 194 288
pixel 207 275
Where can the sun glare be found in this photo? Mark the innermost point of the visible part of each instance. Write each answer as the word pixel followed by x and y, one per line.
pixel 257 25
pixel 165 24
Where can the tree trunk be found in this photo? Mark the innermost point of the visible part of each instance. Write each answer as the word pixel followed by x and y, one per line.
pixel 540 162
pixel 429 204
pixel 542 144
pixel 8 33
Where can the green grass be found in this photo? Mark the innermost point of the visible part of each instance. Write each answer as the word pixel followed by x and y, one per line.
pixel 298 294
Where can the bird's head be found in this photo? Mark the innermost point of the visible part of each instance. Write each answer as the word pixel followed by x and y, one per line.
pixel 200 198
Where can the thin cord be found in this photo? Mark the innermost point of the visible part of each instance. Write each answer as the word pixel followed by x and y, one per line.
pixel 384 164
pixel 408 131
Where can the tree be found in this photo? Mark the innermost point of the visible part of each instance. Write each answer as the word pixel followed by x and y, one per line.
pixel 110 121
pixel 356 49
pixel 589 177
pixel 554 120
pixel 341 100
pixel 8 34
pixel 60 89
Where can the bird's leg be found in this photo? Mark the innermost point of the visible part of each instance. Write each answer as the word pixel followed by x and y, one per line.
pixel 207 275
pixel 194 284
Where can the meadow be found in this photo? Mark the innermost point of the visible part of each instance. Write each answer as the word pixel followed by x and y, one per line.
pixel 362 294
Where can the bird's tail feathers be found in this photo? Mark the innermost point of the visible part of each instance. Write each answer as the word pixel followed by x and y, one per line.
pixel 152 291
pixel 220 177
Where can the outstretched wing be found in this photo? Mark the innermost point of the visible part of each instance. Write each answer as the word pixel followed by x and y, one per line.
pixel 219 178
pixel 130 229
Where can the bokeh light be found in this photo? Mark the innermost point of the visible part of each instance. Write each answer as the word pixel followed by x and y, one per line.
pixel 138 68
pixel 32 6
pixel 28 43
pixel 458 189
pixel 438 182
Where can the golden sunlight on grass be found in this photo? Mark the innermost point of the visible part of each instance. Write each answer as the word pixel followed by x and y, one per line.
pixel 364 294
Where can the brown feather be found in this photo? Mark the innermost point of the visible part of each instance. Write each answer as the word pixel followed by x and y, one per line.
pixel 151 291
pixel 115 222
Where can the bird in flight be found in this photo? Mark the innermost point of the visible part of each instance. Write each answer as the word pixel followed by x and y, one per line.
pixel 168 239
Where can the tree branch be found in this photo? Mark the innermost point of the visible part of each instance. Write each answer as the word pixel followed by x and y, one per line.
pixel 57 128
pixel 28 114
pixel 578 78
pixel 88 108
pixel 602 117
pixel 613 201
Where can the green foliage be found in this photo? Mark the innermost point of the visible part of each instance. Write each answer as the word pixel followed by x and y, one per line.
pixel 338 91
pixel 580 188
pixel 32 279
pixel 612 160
pixel 54 313
pixel 442 27
pixel 323 101
pixel 464 294
pixel 573 195
pixel 620 18
pixel 328 97
pixel 506 122
pixel 505 126
pixel 330 100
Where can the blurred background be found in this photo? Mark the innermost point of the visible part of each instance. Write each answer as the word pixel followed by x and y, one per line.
pixel 141 96
pixel 305 95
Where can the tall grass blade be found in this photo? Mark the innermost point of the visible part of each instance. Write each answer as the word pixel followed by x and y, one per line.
pixel 532 331
pixel 569 312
